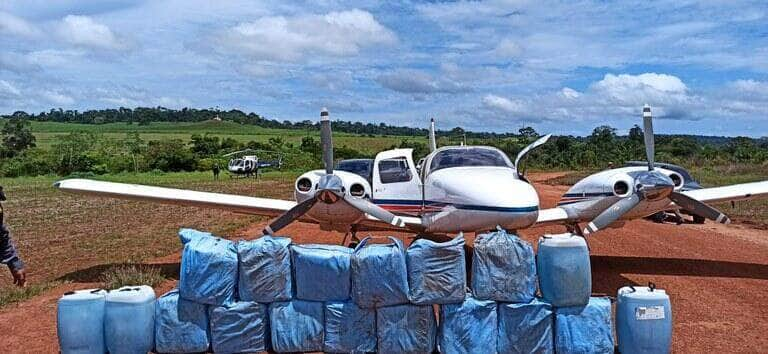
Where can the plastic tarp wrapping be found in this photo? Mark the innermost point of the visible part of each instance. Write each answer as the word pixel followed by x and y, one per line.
pixel 584 329
pixel 437 271
pixel 349 328
pixel 186 235
pixel 379 274
pixel 322 272
pixel 406 329
pixel 469 327
pixel 181 326
pixel 526 328
pixel 238 327
pixel 265 269
pixel 296 326
pixel 503 268
pixel 208 270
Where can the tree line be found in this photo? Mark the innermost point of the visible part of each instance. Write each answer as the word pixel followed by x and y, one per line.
pixel 91 153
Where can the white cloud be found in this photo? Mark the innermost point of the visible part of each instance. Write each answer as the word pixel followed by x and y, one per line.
pixel 57 98
pixel 507 48
pixel 568 92
pixel 17 26
pixel 501 104
pixel 631 90
pixel 419 82
pixel 8 90
pixel 84 31
pixel 281 38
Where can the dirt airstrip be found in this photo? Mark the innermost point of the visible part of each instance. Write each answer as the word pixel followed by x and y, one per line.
pixel 717 277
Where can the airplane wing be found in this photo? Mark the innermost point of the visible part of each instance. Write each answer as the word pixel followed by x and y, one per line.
pixel 744 191
pixel 551 216
pixel 229 202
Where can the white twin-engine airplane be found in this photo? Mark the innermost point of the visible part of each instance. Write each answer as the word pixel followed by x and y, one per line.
pixel 453 189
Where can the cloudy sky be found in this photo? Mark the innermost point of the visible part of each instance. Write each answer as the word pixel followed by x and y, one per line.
pixel 562 67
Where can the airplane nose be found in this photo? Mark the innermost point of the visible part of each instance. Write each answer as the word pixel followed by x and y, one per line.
pixel 654 185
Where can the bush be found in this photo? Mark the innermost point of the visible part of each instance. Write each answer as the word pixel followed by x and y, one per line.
pixel 131 274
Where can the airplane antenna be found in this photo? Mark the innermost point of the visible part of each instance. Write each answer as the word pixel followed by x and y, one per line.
pixel 432 140
pixel 326 140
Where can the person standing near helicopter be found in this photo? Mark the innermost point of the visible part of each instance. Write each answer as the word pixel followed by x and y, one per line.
pixel 8 254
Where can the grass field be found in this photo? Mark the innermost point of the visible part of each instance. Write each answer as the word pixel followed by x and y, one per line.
pixel 46 133
pixel 66 237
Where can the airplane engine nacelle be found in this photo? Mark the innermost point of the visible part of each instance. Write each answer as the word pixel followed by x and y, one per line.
pixel 622 185
pixel 676 178
pixel 354 185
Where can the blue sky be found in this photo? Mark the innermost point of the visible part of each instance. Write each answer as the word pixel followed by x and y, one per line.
pixel 561 67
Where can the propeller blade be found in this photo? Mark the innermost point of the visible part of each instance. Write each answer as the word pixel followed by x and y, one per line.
pixel 289 216
pixel 648 136
pixel 613 213
pixel 699 208
pixel 326 140
pixel 374 210
pixel 432 140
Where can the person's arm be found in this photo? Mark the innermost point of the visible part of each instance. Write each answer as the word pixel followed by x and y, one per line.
pixel 10 257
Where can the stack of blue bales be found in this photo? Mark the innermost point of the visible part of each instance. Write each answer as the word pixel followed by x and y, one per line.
pixel 269 294
pixel 504 278
pixel 209 310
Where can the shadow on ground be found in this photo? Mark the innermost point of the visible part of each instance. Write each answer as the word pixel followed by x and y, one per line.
pixel 95 273
pixel 608 271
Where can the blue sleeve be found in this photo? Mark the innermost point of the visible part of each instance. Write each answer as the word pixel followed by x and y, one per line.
pixel 8 254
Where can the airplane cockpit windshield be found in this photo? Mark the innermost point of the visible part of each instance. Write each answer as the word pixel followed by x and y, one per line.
pixel 462 157
pixel 236 163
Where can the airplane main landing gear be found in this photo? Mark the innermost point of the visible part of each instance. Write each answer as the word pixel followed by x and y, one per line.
pixel 350 238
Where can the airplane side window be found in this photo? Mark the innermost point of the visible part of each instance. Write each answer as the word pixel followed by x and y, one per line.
pixel 394 170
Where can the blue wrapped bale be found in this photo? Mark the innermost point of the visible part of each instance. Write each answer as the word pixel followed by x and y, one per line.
pixel 406 329
pixel 584 329
pixel 296 326
pixel 186 235
pixel 437 271
pixel 503 268
pixel 349 328
pixel 379 274
pixel 322 272
pixel 239 327
pixel 526 328
pixel 208 270
pixel 469 327
pixel 264 274
pixel 181 326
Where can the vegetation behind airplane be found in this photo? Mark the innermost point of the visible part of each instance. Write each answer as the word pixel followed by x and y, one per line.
pixel 107 141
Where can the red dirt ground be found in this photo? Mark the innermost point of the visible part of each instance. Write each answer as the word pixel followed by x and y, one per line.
pixel 716 275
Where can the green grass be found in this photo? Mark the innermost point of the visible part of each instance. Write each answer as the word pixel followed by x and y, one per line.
pixel 14 294
pixel 46 133
pixel 131 275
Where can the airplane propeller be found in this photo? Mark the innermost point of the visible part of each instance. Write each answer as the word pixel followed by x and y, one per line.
pixel 653 186
pixel 330 190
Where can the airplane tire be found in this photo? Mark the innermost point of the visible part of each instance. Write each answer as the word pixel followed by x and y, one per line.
pixel 698 219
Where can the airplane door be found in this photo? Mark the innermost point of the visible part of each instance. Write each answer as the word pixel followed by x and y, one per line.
pixel 396 182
